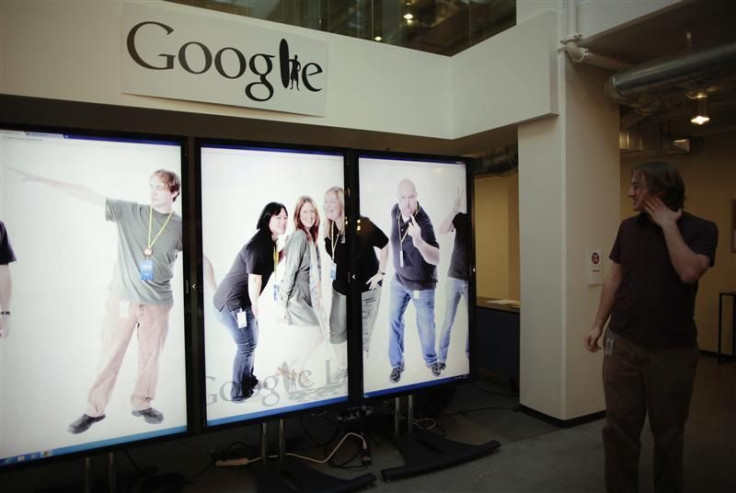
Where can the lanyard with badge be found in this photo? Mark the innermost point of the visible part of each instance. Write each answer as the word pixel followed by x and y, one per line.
pixel 416 293
pixel 146 266
pixel 341 238
pixel 275 273
pixel 401 238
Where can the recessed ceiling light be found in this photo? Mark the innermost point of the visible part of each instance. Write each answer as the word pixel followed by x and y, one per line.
pixel 700 119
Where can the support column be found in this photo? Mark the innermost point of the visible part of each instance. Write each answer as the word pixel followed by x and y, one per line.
pixel 568 202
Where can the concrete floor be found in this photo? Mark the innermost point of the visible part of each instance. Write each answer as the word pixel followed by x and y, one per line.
pixel 534 456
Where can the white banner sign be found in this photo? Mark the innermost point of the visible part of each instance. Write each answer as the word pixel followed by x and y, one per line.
pixel 183 56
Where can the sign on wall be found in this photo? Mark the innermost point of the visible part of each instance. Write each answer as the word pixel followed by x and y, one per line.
pixel 176 55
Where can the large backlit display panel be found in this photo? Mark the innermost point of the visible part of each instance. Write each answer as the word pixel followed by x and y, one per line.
pixel 91 331
pixel 419 336
pixel 282 359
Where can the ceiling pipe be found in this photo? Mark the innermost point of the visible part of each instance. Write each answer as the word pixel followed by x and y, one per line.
pixel 696 68
pixel 578 54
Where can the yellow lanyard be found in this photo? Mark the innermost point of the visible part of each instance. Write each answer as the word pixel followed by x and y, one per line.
pixel 275 262
pixel 332 239
pixel 149 249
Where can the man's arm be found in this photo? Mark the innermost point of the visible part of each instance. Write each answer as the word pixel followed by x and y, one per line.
pixel 446 226
pixel 73 190
pixel 690 266
pixel 605 305
pixel 254 291
pixel 430 253
pixel 6 290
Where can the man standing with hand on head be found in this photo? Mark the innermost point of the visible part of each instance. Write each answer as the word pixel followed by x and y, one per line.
pixel 416 254
pixel 650 348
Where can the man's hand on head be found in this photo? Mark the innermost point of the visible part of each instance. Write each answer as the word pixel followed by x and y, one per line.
pixel 660 213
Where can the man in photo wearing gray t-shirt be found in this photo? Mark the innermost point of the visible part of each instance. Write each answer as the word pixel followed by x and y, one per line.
pixel 140 297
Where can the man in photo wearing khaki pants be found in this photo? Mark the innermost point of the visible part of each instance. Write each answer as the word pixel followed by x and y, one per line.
pixel 140 297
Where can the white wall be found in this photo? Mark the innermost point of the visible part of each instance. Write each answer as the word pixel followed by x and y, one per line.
pixel 568 202
pixel 598 16
pixel 71 51
pixel 591 215
pixel 541 214
pixel 507 79
pixel 594 16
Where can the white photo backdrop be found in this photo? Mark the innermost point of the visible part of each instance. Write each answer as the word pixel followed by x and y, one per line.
pixel 66 253
pixel 236 184
pixel 438 186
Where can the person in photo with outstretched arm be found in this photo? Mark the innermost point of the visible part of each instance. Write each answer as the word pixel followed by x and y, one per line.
pixel 6 280
pixel 416 254
pixel 458 274
pixel 650 348
pixel 140 297
pixel 236 298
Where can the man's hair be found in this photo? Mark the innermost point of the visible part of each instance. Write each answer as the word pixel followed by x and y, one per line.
pixel 663 177
pixel 170 179
pixel 314 230
pixel 271 209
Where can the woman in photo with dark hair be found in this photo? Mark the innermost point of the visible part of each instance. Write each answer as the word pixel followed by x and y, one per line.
pixel 299 292
pixel 236 299
pixel 369 275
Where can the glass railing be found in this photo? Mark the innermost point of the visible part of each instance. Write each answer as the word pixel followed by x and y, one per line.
pixel 445 27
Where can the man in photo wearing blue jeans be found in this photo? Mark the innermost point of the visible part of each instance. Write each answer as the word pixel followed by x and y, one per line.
pixel 458 274
pixel 416 254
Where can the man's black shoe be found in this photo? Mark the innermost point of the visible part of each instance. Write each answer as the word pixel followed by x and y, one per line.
pixel 442 366
pixel 436 368
pixel 83 423
pixel 396 373
pixel 150 415
pixel 247 392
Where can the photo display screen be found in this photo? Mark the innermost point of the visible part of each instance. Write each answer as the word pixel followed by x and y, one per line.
pixel 415 228
pixel 93 349
pixel 274 331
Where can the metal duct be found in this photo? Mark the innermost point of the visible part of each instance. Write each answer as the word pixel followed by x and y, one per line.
pixel 694 69
pixel 499 161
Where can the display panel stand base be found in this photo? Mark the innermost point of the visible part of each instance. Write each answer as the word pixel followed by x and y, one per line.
pixel 425 452
pixel 290 475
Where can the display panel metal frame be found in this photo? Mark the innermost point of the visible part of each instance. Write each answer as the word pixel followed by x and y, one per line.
pixel 146 434
pixel 207 321
pixel 391 389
